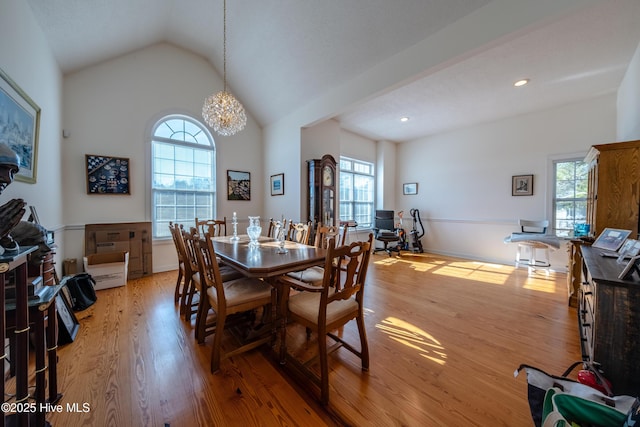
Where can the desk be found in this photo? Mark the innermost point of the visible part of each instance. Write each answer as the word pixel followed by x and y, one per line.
pixel 265 262
pixel 17 262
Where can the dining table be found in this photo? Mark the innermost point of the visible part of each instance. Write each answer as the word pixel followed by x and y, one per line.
pixel 265 261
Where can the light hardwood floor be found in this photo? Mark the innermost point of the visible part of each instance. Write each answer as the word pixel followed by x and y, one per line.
pixel 445 337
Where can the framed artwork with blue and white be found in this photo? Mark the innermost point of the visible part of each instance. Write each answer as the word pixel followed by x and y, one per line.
pixel 19 126
pixel 277 184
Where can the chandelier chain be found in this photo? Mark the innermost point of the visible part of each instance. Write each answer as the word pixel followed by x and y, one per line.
pixel 224 44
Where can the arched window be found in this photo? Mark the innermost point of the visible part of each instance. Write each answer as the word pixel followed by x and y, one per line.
pixel 183 184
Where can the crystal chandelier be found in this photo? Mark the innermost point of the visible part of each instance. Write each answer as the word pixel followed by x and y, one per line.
pixel 222 111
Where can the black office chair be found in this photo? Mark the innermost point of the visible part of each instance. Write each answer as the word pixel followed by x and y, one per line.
pixel 385 232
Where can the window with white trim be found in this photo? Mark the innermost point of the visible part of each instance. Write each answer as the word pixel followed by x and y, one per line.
pixel 183 184
pixel 357 190
pixel 570 195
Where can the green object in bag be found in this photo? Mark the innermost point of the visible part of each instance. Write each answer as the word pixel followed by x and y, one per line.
pixel 564 410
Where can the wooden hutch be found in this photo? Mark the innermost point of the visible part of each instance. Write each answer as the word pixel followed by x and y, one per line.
pixel 608 316
pixel 613 199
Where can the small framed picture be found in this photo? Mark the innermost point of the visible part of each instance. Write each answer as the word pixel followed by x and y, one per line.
pixel 630 268
pixel 238 185
pixel 522 185
pixel 277 184
pixel 410 188
pixel 68 324
pixel 629 249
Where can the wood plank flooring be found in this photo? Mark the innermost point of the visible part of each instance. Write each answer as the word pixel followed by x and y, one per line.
pixel 445 336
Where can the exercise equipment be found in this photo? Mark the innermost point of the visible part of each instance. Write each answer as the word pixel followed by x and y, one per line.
pixel 393 236
pixel 415 234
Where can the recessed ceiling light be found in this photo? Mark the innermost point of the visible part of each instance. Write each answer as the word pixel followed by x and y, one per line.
pixel 404 119
pixel 521 82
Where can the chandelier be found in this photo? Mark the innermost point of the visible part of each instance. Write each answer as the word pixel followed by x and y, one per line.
pixel 222 111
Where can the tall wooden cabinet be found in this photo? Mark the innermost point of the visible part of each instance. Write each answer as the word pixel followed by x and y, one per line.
pixel 613 199
pixel 614 187
pixel 323 199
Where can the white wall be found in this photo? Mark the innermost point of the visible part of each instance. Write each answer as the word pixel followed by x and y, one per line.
pixel 25 56
pixel 629 102
pixel 357 147
pixel 464 177
pixel 109 109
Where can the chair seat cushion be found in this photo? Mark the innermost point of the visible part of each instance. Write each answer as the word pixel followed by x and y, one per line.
pixel 228 273
pixel 311 275
pixel 307 304
pixel 241 291
pixel 387 235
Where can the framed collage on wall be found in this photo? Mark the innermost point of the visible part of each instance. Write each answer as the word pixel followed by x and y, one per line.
pixel 107 175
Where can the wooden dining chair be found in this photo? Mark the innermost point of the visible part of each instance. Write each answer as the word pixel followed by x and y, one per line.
pixel 325 237
pixel 227 298
pixel 215 227
pixel 327 308
pixel 178 242
pixel 276 227
pixel 192 294
pixel 299 232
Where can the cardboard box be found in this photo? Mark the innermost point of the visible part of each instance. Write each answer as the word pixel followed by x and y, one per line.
pixel 109 270
pixel 112 241
pixel 69 267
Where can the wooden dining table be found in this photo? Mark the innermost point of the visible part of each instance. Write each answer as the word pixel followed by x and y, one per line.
pixel 265 262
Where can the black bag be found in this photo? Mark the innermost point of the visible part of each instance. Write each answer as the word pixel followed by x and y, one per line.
pixel 81 289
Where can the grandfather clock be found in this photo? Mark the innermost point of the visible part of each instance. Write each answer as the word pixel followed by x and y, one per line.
pixel 322 206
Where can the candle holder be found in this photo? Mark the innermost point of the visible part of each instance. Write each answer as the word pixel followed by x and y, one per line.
pixel 234 222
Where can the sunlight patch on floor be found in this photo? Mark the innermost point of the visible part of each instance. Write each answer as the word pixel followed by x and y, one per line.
pixel 477 271
pixel 541 283
pixel 413 337
pixel 419 265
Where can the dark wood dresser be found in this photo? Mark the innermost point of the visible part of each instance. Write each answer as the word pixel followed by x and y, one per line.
pixel 609 320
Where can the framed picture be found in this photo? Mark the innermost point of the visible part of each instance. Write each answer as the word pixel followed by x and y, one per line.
pixel 630 268
pixel 68 324
pixel 277 184
pixel 522 185
pixel 629 249
pixel 611 239
pixel 33 216
pixel 107 175
pixel 20 127
pixel 410 188
pixel 238 185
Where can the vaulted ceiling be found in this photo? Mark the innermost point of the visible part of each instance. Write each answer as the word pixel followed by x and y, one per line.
pixel 284 54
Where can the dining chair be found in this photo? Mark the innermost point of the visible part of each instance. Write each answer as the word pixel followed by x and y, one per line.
pixel 324 237
pixel 329 307
pixel 192 294
pixel 215 227
pixel 227 298
pixel 299 232
pixel 276 227
pixel 177 241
